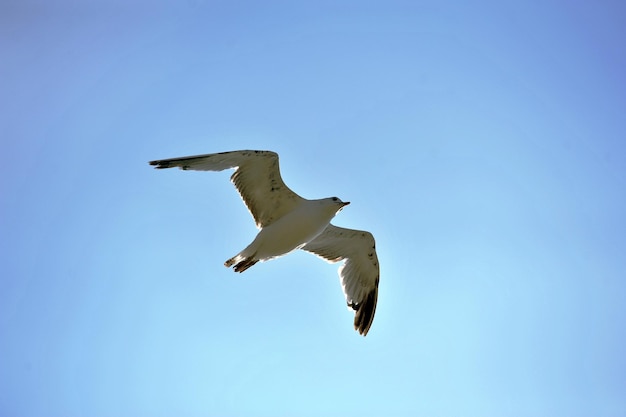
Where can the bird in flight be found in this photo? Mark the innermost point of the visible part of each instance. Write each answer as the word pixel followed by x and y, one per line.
pixel 287 222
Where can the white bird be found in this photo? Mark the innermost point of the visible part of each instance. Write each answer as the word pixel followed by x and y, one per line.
pixel 288 222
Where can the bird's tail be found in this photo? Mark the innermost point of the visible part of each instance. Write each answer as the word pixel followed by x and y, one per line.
pixel 240 263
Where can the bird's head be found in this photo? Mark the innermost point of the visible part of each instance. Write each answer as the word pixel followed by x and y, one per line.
pixel 336 202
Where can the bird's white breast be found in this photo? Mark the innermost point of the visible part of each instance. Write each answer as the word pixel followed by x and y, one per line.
pixel 293 230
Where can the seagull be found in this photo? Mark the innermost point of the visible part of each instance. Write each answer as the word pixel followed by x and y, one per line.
pixel 287 222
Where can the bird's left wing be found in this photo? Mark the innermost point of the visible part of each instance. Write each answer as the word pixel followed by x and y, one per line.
pixel 359 274
pixel 256 177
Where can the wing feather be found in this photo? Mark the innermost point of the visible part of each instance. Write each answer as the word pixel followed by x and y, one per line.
pixel 359 275
pixel 256 177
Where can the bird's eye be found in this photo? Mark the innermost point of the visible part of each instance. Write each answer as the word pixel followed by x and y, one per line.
pixel 335 199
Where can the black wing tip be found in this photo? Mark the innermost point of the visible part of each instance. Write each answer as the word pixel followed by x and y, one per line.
pixel 159 164
pixel 364 312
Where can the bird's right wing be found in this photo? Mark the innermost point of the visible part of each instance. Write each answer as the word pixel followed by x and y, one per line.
pixel 257 178
pixel 359 274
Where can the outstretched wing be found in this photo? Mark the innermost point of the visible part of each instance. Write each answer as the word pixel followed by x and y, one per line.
pixel 359 274
pixel 257 178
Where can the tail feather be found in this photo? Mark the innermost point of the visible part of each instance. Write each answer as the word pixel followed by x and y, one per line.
pixel 232 261
pixel 241 263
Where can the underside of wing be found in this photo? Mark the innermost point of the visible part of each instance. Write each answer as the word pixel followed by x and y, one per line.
pixel 359 274
pixel 256 177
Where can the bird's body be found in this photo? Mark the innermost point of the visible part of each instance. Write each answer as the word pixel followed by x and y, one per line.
pixel 288 233
pixel 288 222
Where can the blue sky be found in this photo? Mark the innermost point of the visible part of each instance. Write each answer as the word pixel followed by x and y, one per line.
pixel 481 143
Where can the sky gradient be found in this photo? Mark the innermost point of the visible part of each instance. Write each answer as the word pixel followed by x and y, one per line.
pixel 482 144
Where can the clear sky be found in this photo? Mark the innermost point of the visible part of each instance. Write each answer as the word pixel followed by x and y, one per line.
pixel 482 143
